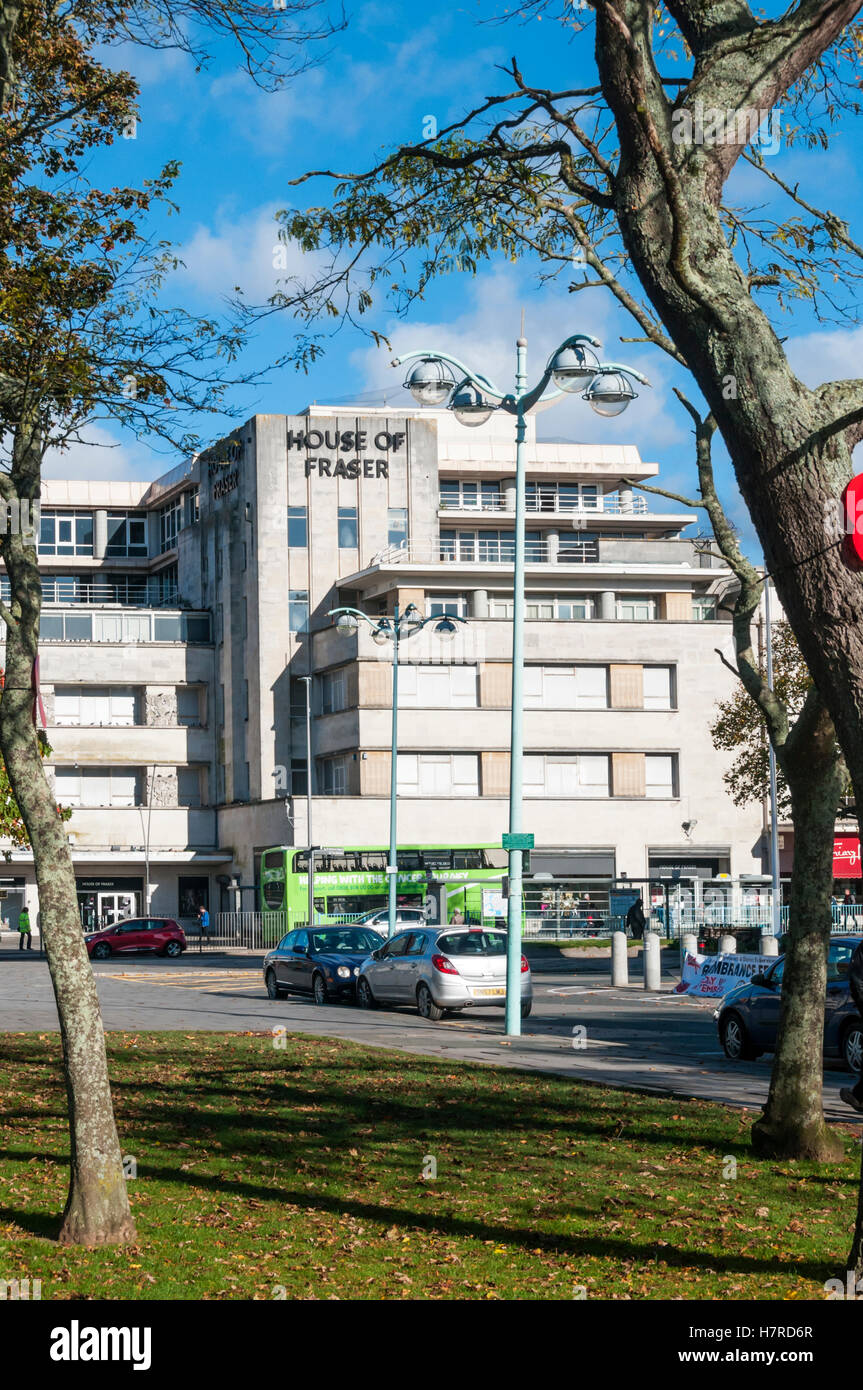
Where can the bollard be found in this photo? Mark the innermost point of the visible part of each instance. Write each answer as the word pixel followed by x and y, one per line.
pixel 769 945
pixel 727 945
pixel 652 961
pixel 619 959
pixel 689 944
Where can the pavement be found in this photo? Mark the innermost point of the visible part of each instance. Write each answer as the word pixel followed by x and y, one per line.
pixel 581 1026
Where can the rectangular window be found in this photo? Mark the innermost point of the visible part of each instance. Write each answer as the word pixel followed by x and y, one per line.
pixel 298 610
pixel 95 705
pixel 658 687
pixel 347 523
pixel 299 777
pixel 555 775
pixel 446 605
pixel 188 786
pixel 334 777
pixel 66 533
pixel 466 495
pixel 566 687
pixel 298 530
pixel 438 774
pixel 93 786
pixel 127 534
pixel 659 775
pixel 170 523
pixel 703 609
pixel 636 608
pixel 397 526
pixel 438 687
pixel 334 692
pixel 189 705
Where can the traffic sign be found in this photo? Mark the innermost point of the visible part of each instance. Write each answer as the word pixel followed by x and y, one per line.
pixel 519 840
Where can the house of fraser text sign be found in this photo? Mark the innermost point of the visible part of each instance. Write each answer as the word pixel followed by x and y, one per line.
pixel 348 442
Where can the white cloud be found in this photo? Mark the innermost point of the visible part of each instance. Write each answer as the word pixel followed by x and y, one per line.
pixel 483 336
pixel 100 455
pixel 240 251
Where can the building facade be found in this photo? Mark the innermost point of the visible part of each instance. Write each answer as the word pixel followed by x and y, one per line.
pixel 181 617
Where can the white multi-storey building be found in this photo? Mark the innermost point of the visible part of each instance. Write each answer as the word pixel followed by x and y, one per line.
pixel 181 616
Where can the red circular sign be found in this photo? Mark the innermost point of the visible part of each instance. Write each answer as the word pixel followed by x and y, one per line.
pixel 852 516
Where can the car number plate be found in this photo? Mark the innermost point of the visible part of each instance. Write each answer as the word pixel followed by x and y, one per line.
pixel 486 992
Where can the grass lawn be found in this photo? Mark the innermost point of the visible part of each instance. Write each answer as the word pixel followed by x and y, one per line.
pixel 302 1168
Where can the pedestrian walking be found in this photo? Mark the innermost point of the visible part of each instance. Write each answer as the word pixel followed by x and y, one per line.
pixel 853 1095
pixel 24 930
pixel 635 920
pixel 204 920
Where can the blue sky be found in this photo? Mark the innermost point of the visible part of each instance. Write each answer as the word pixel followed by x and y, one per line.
pixel 377 81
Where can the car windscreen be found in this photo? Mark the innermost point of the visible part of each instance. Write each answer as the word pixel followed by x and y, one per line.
pixel 353 939
pixel 472 943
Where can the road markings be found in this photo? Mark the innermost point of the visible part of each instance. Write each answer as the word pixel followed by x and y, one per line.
pixel 202 981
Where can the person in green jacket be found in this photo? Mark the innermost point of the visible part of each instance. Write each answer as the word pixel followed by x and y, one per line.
pixel 24 930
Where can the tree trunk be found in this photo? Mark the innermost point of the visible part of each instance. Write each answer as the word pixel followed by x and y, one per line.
pixel 793 1124
pixel 97 1207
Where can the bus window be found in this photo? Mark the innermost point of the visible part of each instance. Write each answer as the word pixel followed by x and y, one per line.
pixel 438 859
pixel 409 859
pixel 373 860
pixel 301 862
pixel 467 859
pixel 495 858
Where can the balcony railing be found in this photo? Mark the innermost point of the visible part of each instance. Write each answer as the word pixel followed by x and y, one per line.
pixel 570 552
pixel 611 504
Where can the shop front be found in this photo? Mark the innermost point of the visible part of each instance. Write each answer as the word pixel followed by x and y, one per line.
pixel 103 900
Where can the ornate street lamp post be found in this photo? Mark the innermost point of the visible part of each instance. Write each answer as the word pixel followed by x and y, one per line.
pixel 439 379
pixel 394 630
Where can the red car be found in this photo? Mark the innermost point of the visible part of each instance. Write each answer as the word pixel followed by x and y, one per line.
pixel 161 935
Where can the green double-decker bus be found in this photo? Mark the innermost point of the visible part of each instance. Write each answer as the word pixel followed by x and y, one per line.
pixel 351 882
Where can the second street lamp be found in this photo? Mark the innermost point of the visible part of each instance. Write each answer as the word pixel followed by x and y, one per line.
pixel 395 630
pixel 473 398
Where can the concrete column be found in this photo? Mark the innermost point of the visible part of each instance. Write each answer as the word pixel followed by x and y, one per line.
pixel 619 959
pixel 100 533
pixel 652 961
pixel 727 945
pixel 479 603
pixel 625 495
pixel 769 945
pixel 608 605
pixel 509 495
pixel 552 546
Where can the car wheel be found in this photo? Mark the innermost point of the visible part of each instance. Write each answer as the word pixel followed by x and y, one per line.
pixel 273 991
pixel 526 1006
pixel 102 951
pixel 173 948
pixel 735 1040
pixel 365 998
pixel 319 988
pixel 426 1005
pixel 852 1047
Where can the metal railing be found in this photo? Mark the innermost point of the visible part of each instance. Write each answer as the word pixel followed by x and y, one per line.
pixel 612 504
pixel 569 552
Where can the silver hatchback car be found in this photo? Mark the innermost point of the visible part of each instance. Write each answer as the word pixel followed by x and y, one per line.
pixel 441 968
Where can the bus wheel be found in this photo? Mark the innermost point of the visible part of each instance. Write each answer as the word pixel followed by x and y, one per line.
pixel 319 988
pixel 365 998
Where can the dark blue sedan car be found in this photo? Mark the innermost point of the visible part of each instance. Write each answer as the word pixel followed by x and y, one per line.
pixel 321 961
pixel 748 1017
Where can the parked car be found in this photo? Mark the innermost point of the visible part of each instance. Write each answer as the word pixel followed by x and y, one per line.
pixel 441 968
pixel 748 1017
pixel 405 917
pixel 321 961
pixel 160 935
